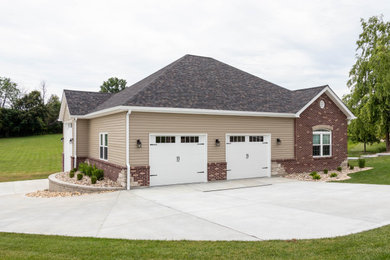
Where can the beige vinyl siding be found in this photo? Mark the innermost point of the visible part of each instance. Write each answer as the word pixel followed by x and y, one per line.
pixel 114 125
pixel 82 137
pixel 216 127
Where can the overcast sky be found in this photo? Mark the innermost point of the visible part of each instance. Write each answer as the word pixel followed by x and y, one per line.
pixel 79 44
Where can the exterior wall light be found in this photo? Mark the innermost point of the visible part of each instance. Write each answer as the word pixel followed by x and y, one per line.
pixel 217 142
pixel 71 140
pixel 139 144
pixel 62 139
pixel 278 141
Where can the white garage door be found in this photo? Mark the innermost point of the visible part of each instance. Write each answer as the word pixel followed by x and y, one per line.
pixel 177 159
pixel 67 146
pixel 248 156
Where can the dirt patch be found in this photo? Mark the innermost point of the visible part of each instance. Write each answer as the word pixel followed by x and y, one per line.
pixel 343 175
pixel 106 182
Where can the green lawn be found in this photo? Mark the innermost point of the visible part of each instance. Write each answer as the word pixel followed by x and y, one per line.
pixel 32 157
pixel 356 149
pixel 373 244
pixel 379 175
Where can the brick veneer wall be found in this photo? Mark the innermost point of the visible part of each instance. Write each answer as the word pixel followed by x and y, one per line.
pixel 216 171
pixel 332 116
pixel 140 175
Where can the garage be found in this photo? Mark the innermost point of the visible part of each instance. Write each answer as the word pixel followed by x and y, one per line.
pixel 67 142
pixel 177 158
pixel 248 155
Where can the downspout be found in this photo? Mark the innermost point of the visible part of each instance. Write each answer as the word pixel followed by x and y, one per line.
pixel 128 148
pixel 75 143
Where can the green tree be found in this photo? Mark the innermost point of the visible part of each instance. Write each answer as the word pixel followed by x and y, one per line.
pixel 358 129
pixel 370 75
pixel 9 92
pixel 53 107
pixel 113 85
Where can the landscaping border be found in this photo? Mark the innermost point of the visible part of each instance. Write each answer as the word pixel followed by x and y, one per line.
pixel 56 184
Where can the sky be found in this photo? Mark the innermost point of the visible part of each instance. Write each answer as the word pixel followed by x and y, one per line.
pixel 79 44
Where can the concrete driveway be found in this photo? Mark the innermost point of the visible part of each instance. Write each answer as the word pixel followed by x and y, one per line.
pixel 255 209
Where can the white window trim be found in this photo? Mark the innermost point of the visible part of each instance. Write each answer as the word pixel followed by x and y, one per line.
pixel 321 133
pixel 102 145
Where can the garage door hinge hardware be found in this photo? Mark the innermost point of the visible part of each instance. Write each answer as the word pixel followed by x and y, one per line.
pixel 265 142
pixel 201 172
pixel 228 143
pixel 265 167
pixel 152 144
pixel 151 175
pixel 228 170
pixel 200 143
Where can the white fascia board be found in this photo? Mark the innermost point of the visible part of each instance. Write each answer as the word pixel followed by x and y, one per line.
pixel 334 98
pixel 62 109
pixel 183 111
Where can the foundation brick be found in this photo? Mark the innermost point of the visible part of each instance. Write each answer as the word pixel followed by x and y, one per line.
pixel 216 171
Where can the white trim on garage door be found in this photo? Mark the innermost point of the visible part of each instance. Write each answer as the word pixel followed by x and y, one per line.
pixel 175 160
pixel 248 155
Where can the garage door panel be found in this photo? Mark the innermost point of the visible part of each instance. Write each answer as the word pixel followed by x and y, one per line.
pixel 182 161
pixel 248 157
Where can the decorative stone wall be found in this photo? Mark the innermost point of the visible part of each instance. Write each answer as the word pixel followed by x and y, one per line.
pixel 139 176
pixel 216 171
pixel 277 169
pixel 314 116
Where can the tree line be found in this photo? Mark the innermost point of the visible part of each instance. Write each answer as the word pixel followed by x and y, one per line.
pixel 23 114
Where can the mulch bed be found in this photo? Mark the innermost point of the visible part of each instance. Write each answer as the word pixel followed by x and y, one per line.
pixel 106 182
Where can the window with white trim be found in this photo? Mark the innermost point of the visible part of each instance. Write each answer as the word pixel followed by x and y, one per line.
pixel 322 143
pixel 103 146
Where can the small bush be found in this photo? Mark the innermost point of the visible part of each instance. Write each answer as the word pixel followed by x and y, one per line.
pixel 71 174
pixel 73 170
pixel 326 171
pixel 316 177
pixel 333 175
pixel 79 176
pixel 362 163
pixel 82 167
pixel 93 179
pixel 313 173
pixel 339 168
pixel 351 167
pixel 98 173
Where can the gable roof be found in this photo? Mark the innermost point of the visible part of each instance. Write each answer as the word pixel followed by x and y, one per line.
pixel 202 83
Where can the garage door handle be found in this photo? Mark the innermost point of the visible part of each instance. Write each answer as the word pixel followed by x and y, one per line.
pixel 200 172
pixel 151 175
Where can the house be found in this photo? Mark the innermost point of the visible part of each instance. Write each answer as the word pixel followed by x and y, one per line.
pixel 199 120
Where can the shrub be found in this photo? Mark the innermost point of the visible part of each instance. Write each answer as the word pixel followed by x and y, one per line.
pixel 333 175
pixel 98 173
pixel 326 171
pixel 351 167
pixel 313 173
pixel 79 176
pixel 73 170
pixel 71 174
pixel 316 177
pixel 82 167
pixel 362 163
pixel 339 168
pixel 93 179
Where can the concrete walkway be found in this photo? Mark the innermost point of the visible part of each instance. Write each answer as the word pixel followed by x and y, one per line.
pixel 255 209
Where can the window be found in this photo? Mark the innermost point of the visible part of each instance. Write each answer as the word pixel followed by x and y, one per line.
pixel 237 139
pixel 322 143
pixel 256 138
pixel 103 146
pixel 189 139
pixel 165 139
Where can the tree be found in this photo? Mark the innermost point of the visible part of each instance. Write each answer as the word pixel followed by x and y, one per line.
pixel 53 107
pixel 370 75
pixel 113 85
pixel 358 129
pixel 9 92
pixel 43 90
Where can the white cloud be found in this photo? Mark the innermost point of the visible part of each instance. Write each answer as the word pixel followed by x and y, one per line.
pixel 78 44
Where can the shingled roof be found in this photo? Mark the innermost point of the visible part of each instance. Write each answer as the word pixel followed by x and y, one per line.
pixel 199 83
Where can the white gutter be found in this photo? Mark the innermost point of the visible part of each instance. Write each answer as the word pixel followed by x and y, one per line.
pixel 128 148
pixel 75 143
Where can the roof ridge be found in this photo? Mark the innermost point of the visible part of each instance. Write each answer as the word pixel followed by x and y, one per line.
pixel 301 89
pixel 95 92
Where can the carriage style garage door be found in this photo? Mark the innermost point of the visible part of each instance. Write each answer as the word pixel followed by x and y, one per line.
pixel 248 156
pixel 177 158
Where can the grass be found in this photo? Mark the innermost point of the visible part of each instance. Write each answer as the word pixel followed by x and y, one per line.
pixel 379 175
pixel 373 244
pixel 32 157
pixel 356 149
